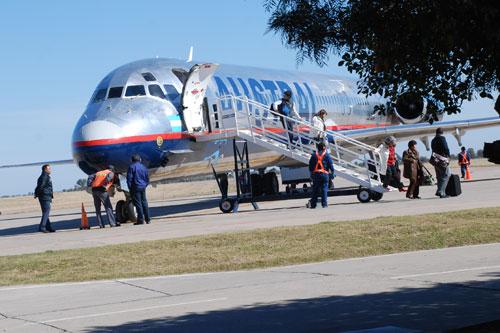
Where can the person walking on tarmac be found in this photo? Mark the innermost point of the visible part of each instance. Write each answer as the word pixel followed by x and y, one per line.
pixel 137 181
pixel 101 182
pixel 320 166
pixel 319 127
pixel 412 170
pixel 440 160
pixel 286 108
pixel 464 161
pixel 45 194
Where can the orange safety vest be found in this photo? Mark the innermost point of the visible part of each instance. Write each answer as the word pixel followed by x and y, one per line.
pixel 100 180
pixel 319 163
pixel 465 161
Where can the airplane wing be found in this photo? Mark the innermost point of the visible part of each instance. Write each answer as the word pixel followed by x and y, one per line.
pixel 376 135
pixel 57 162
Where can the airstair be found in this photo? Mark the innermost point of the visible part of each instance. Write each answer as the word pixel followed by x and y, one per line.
pixel 353 160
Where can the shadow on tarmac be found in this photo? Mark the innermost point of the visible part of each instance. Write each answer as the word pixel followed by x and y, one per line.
pixel 441 307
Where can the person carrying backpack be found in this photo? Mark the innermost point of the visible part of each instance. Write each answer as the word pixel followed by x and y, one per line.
pixel 286 108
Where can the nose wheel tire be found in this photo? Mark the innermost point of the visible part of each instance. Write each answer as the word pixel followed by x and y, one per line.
pixel 364 195
pixel 376 196
pixel 226 205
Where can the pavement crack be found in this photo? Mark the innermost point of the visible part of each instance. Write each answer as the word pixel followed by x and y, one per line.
pixel 298 272
pixel 35 322
pixel 2 315
pixel 143 288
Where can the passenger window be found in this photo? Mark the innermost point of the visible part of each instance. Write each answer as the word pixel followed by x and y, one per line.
pixel 172 93
pixel 115 92
pixel 99 96
pixel 155 90
pixel 135 91
pixel 148 76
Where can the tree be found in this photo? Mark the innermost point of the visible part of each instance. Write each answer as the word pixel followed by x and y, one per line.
pixel 445 52
pixel 471 152
pixel 81 184
pixel 479 153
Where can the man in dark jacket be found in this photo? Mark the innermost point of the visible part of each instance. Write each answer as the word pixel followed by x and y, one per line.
pixel 320 166
pixel 44 193
pixel 137 181
pixel 286 108
pixel 440 147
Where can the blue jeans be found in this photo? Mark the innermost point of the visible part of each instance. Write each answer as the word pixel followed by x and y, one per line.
pixel 463 169
pixel 442 175
pixel 45 221
pixel 320 187
pixel 141 204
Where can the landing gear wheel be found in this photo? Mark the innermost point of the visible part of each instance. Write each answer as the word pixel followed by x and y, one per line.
pixel 364 195
pixel 131 212
pixel 376 196
pixel 226 205
pixel 120 211
pixel 271 184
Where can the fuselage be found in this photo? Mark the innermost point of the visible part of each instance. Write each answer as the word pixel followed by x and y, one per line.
pixel 136 109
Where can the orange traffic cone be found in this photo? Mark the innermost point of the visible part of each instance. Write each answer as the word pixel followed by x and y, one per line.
pixel 467 174
pixel 85 219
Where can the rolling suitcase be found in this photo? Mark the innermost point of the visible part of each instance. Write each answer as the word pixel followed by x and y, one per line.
pixel 453 188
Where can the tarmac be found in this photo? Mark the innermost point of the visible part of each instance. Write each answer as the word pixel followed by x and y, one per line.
pixel 424 291
pixel 201 216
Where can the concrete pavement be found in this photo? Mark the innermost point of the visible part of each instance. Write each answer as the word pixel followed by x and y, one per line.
pixel 424 291
pixel 200 216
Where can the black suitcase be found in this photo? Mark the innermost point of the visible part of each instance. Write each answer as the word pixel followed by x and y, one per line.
pixel 453 188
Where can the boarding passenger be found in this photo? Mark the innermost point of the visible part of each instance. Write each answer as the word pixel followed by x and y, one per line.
pixel 45 194
pixel 412 170
pixel 319 127
pixel 464 161
pixel 440 161
pixel 286 108
pixel 137 181
pixel 320 166
pixel 101 183
pixel 392 173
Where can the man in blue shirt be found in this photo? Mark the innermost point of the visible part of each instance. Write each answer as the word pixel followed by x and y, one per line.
pixel 137 181
pixel 320 166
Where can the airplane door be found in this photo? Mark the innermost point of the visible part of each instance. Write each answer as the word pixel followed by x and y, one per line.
pixel 193 93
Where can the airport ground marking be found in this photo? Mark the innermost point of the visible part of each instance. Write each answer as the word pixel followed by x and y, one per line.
pixel 445 272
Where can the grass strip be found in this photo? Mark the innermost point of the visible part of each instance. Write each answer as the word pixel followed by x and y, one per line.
pixel 256 249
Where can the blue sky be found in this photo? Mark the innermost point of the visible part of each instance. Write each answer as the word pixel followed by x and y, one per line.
pixel 55 52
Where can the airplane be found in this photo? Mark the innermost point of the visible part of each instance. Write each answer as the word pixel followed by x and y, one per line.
pixel 159 108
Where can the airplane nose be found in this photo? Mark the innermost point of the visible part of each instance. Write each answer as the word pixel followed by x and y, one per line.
pixel 100 129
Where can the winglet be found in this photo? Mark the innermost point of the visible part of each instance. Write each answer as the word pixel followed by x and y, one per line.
pixel 190 56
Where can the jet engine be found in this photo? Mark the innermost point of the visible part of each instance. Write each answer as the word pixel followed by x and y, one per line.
pixel 411 109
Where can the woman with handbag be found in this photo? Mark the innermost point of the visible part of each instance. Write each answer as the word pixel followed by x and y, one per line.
pixel 412 170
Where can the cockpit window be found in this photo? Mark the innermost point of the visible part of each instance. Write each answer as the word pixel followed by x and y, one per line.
pixel 172 93
pixel 148 76
pixel 115 92
pixel 135 91
pixel 99 96
pixel 155 90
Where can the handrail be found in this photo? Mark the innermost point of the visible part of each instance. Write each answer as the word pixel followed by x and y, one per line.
pixel 257 121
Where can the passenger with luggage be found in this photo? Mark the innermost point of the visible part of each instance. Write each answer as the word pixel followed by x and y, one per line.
pixel 101 183
pixel 464 161
pixel 286 108
pixel 320 166
pixel 319 127
pixel 412 170
pixel 392 175
pixel 440 160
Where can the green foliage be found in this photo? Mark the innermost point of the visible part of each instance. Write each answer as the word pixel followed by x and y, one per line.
pixel 444 51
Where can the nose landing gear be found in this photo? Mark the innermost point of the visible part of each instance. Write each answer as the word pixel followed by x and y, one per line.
pixel 125 210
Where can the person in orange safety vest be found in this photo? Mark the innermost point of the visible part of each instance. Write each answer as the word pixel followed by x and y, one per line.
pixel 464 161
pixel 101 182
pixel 321 167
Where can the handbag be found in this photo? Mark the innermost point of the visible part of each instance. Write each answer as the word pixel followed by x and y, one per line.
pixel 439 161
